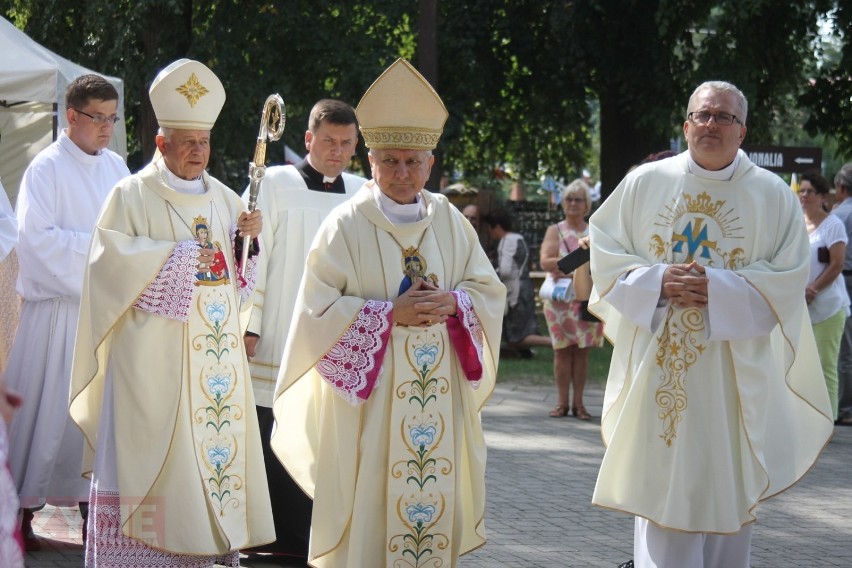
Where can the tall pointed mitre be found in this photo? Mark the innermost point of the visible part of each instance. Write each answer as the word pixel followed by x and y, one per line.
pixel 401 110
pixel 187 95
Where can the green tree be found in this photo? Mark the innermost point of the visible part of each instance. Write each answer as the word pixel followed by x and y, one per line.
pixel 304 50
pixel 827 94
pixel 520 78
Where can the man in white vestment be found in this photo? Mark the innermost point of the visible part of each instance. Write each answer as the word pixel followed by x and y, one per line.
pixel 295 200
pixel 160 382
pixel 61 193
pixel 392 352
pixel 715 399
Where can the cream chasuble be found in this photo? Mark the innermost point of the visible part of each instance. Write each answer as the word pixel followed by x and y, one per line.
pixel 185 427
pixel 703 421
pixel 397 479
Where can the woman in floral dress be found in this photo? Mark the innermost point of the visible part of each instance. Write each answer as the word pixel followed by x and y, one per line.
pixel 571 336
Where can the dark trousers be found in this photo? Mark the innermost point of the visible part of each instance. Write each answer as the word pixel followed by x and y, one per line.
pixel 291 508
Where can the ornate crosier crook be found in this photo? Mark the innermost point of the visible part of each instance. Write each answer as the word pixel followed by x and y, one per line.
pixel 272 121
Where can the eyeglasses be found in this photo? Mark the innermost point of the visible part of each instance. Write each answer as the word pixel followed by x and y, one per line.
pixel 702 118
pixel 574 200
pixel 100 119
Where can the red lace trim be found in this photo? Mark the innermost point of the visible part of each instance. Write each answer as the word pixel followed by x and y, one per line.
pixel 352 364
pixel 470 340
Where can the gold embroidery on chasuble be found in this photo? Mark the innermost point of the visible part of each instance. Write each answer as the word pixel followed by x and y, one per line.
pixel 192 90
pixel 218 404
pixel 703 230
pixel 421 484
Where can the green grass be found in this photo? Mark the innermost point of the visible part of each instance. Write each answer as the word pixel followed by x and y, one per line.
pixel 539 369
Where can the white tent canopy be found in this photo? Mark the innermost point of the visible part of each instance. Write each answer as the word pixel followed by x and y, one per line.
pixel 33 81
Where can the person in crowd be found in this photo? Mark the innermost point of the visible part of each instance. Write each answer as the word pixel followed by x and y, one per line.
pixel 520 328
pixel 295 200
pixel 714 400
pixel 843 210
pixel 471 213
pixel 570 334
pixel 61 193
pixel 160 381
pixel 828 302
pixel 391 355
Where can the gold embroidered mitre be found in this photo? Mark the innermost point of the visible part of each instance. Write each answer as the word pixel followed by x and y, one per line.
pixel 187 95
pixel 401 110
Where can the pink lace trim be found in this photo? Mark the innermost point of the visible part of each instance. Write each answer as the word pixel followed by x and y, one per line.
pixel 352 364
pixel 245 284
pixel 170 294
pixel 468 337
pixel 108 547
pixel 11 553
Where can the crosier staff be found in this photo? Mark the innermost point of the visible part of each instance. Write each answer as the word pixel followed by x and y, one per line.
pixel 272 120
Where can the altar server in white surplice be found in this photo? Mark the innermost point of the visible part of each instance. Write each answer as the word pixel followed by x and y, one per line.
pixel 61 193
pixel 160 383
pixel 715 399
pixel 391 355
pixel 295 200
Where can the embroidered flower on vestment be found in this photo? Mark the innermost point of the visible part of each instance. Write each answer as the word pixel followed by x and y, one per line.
pixel 426 354
pixel 422 435
pixel 218 455
pixel 420 513
pixel 216 312
pixel 218 384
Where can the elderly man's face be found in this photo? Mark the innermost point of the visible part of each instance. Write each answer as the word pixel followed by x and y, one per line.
pixel 331 147
pixel 401 174
pixel 712 145
pixel 186 152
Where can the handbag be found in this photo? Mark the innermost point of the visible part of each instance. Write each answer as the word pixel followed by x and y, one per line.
pixel 557 290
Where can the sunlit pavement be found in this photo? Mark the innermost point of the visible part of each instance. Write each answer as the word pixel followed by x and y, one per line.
pixel 541 474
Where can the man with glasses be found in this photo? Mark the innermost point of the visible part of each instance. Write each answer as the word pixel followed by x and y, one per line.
pixel 714 400
pixel 61 194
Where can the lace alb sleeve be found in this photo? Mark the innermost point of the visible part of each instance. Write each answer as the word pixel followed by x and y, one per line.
pixel 170 293
pixel 352 364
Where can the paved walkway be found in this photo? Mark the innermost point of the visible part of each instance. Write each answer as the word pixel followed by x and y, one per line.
pixel 541 473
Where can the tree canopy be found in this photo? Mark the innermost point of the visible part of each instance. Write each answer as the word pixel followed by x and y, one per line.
pixel 522 79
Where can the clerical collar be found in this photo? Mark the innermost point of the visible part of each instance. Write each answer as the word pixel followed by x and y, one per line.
pixel 191 186
pixel 317 181
pixel 725 174
pixel 398 213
